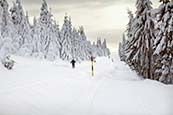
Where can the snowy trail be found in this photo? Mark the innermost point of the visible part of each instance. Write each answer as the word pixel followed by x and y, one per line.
pixel 43 88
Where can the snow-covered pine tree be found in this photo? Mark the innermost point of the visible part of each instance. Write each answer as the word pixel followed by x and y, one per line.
pixel 1 41
pixel 66 49
pixel 94 49
pixel 99 48
pixel 57 40
pixel 35 37
pixel 27 19
pixel 85 45
pixel 76 43
pixel 129 25
pixel 53 50
pixel 22 27
pixel 163 44
pixel 28 46
pixel 45 22
pixel 1 13
pixel 44 31
pixel 108 50
pixel 55 43
pixel 4 18
pixel 105 48
pixel 88 50
pixel 129 31
pixel 82 44
pixel 122 49
pixel 8 33
pixel 148 48
pixel 139 48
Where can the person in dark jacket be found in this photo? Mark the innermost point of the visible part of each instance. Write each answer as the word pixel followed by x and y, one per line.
pixel 92 65
pixel 73 63
pixel 92 59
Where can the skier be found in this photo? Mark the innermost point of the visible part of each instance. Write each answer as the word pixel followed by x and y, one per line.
pixel 73 63
pixel 93 59
pixel 92 65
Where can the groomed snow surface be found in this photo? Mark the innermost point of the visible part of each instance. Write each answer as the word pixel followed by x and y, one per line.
pixel 37 87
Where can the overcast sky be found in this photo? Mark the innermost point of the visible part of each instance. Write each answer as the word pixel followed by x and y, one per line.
pixel 100 18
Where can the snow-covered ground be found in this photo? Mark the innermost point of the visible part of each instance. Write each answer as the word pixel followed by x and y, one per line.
pixel 36 87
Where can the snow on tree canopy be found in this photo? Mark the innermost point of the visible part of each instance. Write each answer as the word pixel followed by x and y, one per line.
pixel 149 47
pixel 163 47
pixel 43 39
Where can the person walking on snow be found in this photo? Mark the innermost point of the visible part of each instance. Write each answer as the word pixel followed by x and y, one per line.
pixel 92 65
pixel 73 63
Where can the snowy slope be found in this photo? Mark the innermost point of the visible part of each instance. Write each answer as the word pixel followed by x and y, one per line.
pixel 36 87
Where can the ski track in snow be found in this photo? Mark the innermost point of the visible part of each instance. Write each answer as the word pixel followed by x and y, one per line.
pixel 37 87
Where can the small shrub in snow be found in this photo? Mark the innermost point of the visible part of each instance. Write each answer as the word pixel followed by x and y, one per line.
pixel 8 63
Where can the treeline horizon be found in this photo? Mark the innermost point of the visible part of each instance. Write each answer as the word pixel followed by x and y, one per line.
pixel 44 38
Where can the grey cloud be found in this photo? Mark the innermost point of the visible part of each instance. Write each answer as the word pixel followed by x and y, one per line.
pixel 63 5
pixel 85 4
pixel 77 3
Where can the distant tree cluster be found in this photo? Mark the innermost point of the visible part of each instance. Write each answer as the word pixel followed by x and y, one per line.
pixel 148 48
pixel 43 38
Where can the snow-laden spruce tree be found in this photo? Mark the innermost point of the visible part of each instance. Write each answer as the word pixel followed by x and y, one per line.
pixel 100 51
pixel 1 13
pixel 34 35
pixel 122 49
pixel 94 49
pixel 28 46
pixel 54 46
pixel 22 27
pixel 104 48
pixel 88 50
pixel 66 39
pixel 85 45
pixel 45 24
pixel 9 38
pixel 139 47
pixel 1 41
pixel 129 25
pixel 57 39
pixel 27 19
pixel 76 45
pixel 163 44
pixel 80 46
pixel 129 34
pixel 43 30
pixel 55 43
pixel 148 48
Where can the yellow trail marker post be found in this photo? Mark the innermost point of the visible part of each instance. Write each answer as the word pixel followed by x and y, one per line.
pixel 92 68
